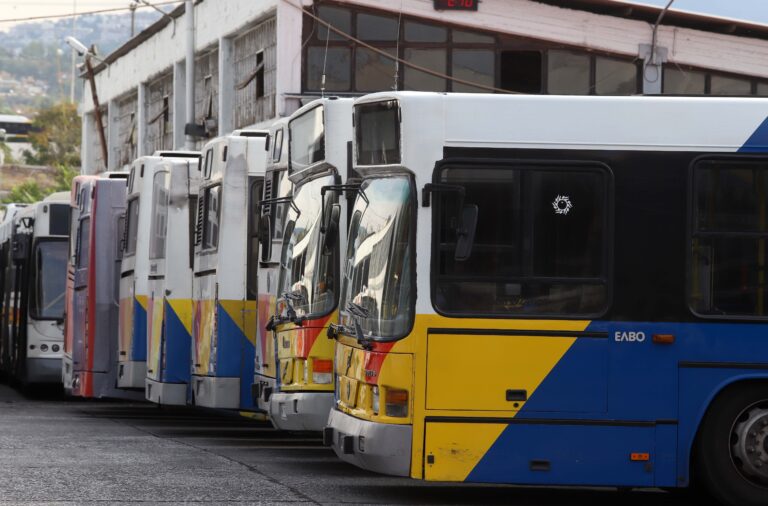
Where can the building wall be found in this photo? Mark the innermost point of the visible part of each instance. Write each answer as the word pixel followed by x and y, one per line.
pixel 259 59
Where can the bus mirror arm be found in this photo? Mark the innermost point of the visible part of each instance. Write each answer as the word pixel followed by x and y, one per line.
pixel 430 188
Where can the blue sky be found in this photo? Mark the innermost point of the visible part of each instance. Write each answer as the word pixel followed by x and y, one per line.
pixel 750 10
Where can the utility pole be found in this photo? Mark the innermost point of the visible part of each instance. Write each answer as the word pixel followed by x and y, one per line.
pixel 96 109
pixel 72 69
pixel 189 14
pixel 132 6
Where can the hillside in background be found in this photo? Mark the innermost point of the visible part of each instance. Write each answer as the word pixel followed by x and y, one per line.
pixel 35 63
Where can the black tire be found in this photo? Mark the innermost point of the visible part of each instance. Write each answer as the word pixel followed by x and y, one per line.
pixel 717 467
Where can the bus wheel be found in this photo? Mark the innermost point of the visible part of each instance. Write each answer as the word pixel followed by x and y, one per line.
pixel 732 457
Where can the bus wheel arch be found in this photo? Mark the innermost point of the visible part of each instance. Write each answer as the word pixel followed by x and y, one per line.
pixel 734 424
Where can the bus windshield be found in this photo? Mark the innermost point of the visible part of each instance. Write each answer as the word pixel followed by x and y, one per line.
pixel 377 290
pixel 51 267
pixel 308 278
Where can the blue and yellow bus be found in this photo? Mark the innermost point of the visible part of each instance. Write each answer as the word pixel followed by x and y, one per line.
pixel 557 290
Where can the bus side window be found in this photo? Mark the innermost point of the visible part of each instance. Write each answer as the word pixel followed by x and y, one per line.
pixel 729 235
pixel 212 209
pixel 540 245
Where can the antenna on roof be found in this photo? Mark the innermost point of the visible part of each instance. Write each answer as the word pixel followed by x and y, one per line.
pixel 325 61
pixel 397 48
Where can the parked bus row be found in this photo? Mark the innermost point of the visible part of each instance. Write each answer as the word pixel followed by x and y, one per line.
pixel 479 288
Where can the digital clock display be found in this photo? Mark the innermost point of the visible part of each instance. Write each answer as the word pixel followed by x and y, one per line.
pixel 456 5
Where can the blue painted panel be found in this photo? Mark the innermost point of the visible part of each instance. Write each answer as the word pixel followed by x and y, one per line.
pixel 758 141
pixel 577 454
pixel 235 356
pixel 176 363
pixel 139 343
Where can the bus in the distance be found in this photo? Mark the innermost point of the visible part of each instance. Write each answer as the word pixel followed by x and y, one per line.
pixel 135 269
pixel 34 274
pixel 308 287
pixel 225 280
pixel 554 290
pixel 169 309
pixel 266 226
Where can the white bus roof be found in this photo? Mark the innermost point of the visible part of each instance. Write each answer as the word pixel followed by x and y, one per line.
pixel 658 123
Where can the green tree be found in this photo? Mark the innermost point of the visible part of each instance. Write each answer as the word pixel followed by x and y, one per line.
pixel 31 191
pixel 55 137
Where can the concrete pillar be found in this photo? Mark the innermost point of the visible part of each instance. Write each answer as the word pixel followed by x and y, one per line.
pixel 141 120
pixel 226 87
pixel 113 142
pixel 179 104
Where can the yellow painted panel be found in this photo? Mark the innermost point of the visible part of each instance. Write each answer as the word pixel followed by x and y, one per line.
pixel 184 310
pixel 474 372
pixel 142 300
pixel 454 449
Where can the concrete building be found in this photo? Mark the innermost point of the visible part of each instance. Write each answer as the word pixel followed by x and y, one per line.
pixel 256 60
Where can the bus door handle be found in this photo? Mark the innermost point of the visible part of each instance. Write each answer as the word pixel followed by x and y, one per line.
pixel 517 395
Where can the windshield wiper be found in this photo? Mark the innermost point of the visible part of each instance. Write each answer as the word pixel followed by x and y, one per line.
pixel 290 316
pixel 357 312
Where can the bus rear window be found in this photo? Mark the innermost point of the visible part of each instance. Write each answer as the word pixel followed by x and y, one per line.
pixel 377 131
pixel 59 221
pixel 307 139
pixel 50 273
pixel 728 238
pixel 132 226
pixel 540 245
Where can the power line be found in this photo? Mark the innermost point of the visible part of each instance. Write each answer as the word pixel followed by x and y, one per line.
pixel 98 11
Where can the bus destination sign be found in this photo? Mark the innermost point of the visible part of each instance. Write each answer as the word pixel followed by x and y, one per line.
pixel 456 5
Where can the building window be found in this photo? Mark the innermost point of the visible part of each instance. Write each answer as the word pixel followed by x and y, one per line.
pixel 352 68
pixel 567 73
pixel 684 82
pixel 520 71
pixel 615 77
pixel 726 85
pixel 728 241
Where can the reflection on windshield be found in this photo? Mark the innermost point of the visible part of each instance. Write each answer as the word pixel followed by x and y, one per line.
pixel 306 275
pixel 51 261
pixel 377 274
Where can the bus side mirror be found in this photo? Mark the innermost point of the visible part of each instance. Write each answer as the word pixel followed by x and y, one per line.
pixel 330 229
pixel 265 238
pixel 466 233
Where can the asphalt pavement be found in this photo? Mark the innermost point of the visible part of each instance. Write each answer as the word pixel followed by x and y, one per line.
pixel 55 450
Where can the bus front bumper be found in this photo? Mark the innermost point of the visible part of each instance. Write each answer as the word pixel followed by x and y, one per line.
pixel 379 447
pixel 215 392
pixel 300 411
pixel 43 370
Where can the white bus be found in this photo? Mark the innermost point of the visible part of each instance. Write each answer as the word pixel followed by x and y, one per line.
pixel 171 255
pixel 320 135
pixel 34 278
pixel 557 290
pixel 268 231
pixel 224 294
pixel 134 268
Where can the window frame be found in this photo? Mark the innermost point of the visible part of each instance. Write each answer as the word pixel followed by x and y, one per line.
pixel 521 165
pixel 206 192
pixel 34 288
pixel 691 232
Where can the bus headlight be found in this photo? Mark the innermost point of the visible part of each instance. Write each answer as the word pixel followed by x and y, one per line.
pixel 322 371
pixel 375 391
pixel 396 403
